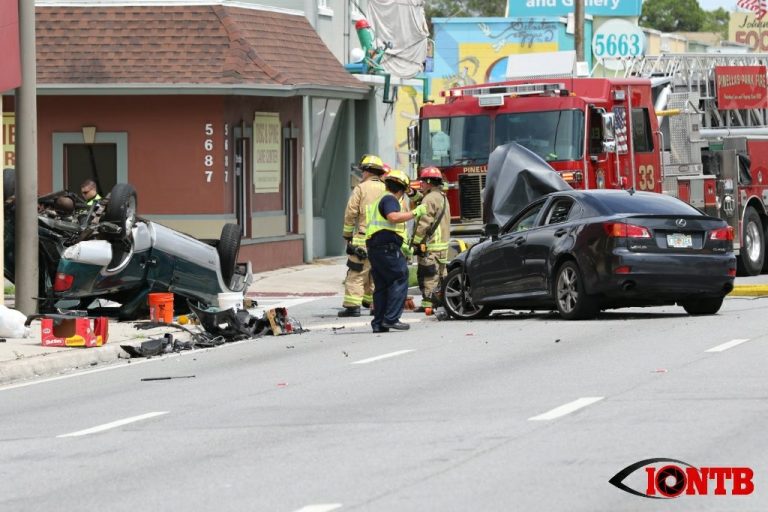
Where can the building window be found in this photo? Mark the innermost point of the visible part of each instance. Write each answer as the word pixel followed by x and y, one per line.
pixel 323 9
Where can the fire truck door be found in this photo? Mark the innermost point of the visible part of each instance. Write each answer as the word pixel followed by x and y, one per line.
pixel 644 144
pixel 599 163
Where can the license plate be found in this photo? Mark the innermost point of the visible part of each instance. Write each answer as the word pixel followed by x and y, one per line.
pixel 679 241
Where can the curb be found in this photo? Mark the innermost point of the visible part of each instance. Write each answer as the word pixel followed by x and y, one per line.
pixel 749 290
pixel 55 363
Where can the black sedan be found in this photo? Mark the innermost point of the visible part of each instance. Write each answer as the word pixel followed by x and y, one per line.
pixel 584 251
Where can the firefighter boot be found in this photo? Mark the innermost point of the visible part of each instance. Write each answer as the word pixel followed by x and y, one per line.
pixel 350 312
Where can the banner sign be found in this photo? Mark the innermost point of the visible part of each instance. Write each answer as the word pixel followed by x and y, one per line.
pixel 744 28
pixel 10 62
pixel 266 152
pixel 741 87
pixel 527 8
pixel 9 140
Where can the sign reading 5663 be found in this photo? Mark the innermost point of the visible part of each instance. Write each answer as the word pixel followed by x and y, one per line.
pixel 618 39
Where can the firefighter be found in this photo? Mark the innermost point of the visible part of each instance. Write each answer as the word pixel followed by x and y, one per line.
pixel 430 237
pixel 385 235
pixel 358 285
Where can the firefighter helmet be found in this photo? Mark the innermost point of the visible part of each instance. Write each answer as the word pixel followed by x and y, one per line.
pixel 431 173
pixel 398 176
pixel 372 164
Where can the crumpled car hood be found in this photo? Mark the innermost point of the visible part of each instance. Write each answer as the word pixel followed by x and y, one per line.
pixel 516 177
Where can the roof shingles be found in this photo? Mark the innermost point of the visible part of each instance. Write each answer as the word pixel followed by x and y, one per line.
pixel 205 45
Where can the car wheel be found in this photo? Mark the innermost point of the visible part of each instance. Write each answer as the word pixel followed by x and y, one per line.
pixel 752 251
pixel 457 298
pixel 228 248
pixel 121 208
pixel 703 306
pixel 572 301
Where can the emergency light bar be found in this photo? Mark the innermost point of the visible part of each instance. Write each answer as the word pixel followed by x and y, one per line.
pixel 505 90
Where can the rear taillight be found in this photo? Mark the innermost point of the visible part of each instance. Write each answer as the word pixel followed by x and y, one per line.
pixel 621 230
pixel 731 272
pixel 623 269
pixel 63 282
pixel 725 233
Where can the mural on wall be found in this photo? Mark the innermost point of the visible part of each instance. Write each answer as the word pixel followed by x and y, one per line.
pixel 468 53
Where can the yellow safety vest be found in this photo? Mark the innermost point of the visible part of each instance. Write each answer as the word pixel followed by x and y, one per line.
pixel 377 222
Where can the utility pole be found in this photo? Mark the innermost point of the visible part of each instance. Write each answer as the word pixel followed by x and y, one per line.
pixel 26 250
pixel 578 34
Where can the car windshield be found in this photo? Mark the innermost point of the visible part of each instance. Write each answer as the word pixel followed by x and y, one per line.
pixel 455 140
pixel 555 135
pixel 651 204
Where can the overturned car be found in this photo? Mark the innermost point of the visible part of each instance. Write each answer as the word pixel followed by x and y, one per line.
pixel 112 254
pixel 125 262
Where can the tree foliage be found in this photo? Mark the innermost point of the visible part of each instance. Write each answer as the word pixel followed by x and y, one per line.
pixel 673 15
pixel 717 21
pixel 464 8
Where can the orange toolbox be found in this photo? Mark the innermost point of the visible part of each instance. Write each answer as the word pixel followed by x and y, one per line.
pixel 74 332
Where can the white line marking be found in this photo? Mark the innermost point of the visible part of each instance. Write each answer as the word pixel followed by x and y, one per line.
pixel 117 366
pixel 383 356
pixel 284 302
pixel 114 424
pixel 354 323
pixel 567 408
pixel 322 507
pixel 726 346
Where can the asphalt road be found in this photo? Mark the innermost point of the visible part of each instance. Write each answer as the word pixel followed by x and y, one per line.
pixel 521 412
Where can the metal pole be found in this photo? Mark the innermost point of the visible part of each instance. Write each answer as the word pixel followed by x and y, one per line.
pixel 578 34
pixel 26 250
pixel 307 182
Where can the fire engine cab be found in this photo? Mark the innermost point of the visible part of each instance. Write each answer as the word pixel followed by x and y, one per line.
pixel 686 125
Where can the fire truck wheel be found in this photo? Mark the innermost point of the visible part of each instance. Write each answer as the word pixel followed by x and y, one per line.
pixel 457 298
pixel 752 252
pixel 703 306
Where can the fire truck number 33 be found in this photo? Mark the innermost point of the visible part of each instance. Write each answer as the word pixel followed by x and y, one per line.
pixel 647 179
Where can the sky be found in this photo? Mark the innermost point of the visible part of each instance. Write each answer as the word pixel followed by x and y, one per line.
pixel 711 5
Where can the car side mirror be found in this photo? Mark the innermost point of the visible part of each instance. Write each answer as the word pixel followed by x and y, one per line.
pixel 413 142
pixel 492 231
pixel 608 122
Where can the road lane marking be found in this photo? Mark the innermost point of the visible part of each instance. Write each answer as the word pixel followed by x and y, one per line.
pixel 321 507
pixel 383 356
pixel 567 408
pixel 352 324
pixel 726 346
pixel 114 424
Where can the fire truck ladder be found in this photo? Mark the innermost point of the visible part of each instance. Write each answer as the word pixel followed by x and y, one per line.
pixel 695 73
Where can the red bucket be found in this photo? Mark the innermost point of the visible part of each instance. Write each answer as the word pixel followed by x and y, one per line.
pixel 161 307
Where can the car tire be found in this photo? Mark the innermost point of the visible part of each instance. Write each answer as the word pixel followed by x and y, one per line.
pixel 572 301
pixel 456 298
pixel 752 251
pixel 121 208
pixel 703 306
pixel 229 248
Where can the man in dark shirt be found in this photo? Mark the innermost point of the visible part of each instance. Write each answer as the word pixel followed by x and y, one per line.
pixel 385 236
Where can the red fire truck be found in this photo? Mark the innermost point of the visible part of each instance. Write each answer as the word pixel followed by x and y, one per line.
pixel 686 125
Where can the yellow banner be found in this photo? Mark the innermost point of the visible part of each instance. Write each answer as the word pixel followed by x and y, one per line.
pixel 9 139
pixel 267 157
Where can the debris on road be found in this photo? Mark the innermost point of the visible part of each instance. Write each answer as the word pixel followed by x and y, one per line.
pixel 146 379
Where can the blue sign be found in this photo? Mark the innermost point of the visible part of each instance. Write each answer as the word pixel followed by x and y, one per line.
pixel 611 8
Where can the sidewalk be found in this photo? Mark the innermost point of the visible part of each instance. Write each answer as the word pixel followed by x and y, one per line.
pixel 24 358
pixel 27 358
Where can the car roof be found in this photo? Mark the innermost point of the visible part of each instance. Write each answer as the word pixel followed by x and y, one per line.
pixel 606 202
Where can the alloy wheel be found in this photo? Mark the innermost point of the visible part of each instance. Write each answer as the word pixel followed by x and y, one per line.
pixel 457 297
pixel 567 289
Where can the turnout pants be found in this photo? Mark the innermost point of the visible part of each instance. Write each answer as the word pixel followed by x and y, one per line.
pixel 358 285
pixel 430 271
pixel 390 279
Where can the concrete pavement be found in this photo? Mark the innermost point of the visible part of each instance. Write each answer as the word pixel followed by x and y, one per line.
pixel 27 358
pixel 24 358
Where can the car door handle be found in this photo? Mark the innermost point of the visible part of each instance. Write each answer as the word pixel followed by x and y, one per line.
pixel 518 241
pixel 560 232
